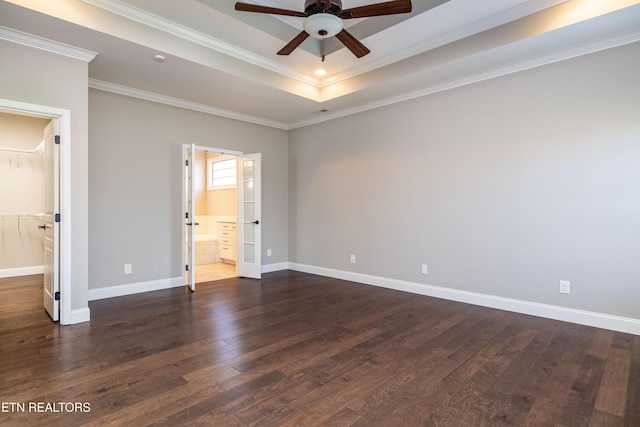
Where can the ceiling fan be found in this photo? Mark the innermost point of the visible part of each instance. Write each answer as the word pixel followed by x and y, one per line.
pixel 323 19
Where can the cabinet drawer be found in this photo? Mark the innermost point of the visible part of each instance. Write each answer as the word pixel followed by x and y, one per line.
pixel 226 242
pixel 228 234
pixel 226 252
pixel 227 226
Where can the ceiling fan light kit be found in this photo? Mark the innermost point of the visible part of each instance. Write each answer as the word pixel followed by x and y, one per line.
pixel 323 19
pixel 322 25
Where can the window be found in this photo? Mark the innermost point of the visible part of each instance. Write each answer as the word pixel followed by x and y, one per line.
pixel 221 173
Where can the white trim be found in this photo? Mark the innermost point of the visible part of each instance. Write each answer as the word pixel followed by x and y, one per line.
pixel 181 103
pixel 41 43
pixel 158 23
pixel 21 271
pixel 66 215
pixel 64 116
pixel 134 288
pixel 170 27
pixel 80 315
pixel 217 159
pixel 479 76
pixel 270 268
pixel 503 17
pixel 558 55
pixel 582 317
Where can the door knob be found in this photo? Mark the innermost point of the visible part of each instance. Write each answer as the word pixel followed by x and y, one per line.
pixel 42 227
pixel 256 222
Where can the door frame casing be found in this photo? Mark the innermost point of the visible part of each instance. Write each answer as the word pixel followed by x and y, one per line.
pixel 64 121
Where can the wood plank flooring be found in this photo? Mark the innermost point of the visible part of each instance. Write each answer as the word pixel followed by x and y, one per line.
pixel 296 349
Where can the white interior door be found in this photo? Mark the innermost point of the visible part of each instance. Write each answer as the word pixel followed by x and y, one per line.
pixel 190 216
pixel 249 250
pixel 51 221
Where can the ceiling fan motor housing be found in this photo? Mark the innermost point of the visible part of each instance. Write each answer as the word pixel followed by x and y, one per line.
pixel 312 7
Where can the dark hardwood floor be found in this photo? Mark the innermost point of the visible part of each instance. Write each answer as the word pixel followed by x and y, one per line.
pixel 296 349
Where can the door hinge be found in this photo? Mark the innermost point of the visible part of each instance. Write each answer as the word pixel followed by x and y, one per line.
pixel 186 215
pixel 56 296
pixel 186 163
pixel 56 139
pixel 57 218
pixel 187 267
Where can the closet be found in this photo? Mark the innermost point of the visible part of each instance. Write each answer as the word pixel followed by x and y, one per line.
pixel 22 196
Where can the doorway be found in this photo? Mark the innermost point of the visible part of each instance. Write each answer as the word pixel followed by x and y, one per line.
pixel 57 282
pixel 22 196
pixel 216 201
pixel 222 201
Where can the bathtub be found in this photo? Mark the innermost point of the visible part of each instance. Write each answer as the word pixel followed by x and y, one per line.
pixel 206 248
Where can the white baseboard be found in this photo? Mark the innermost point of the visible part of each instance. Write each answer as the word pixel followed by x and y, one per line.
pixel 270 268
pixel 21 271
pixel 80 315
pixel 134 288
pixel 582 317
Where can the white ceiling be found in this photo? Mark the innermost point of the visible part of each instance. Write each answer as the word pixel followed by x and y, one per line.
pixel 224 62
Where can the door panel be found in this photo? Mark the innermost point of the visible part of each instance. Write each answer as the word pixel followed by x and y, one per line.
pixel 190 216
pixel 249 262
pixel 51 227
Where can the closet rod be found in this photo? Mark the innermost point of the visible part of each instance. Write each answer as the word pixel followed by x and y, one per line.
pixel 38 150
pixel 36 215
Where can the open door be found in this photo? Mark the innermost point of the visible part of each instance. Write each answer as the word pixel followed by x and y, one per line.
pixel 249 263
pixel 52 221
pixel 190 215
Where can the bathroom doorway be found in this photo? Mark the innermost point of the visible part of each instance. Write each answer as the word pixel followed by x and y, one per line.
pixel 233 232
pixel 216 213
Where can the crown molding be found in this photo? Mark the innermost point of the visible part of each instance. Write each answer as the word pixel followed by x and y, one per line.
pixel 558 55
pixel 150 20
pixel 493 21
pixel 145 18
pixel 41 43
pixel 181 103
pixel 551 57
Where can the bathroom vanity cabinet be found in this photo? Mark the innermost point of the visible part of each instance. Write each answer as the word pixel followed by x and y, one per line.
pixel 227 241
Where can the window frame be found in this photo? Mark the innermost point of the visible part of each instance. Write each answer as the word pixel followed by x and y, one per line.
pixel 210 177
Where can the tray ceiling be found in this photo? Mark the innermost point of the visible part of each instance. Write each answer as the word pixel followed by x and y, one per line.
pixel 224 62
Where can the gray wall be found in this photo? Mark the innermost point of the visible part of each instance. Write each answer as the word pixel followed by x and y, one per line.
pixel 502 187
pixel 135 179
pixel 38 77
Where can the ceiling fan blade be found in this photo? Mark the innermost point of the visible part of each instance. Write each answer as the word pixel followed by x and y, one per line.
pixel 248 7
pixel 293 44
pixel 378 9
pixel 352 43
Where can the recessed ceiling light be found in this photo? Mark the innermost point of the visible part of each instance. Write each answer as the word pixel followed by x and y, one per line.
pixel 158 58
pixel 320 72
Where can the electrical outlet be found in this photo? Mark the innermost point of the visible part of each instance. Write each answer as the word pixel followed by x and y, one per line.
pixel 424 269
pixel 352 259
pixel 564 287
pixel 268 252
pixel 128 269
